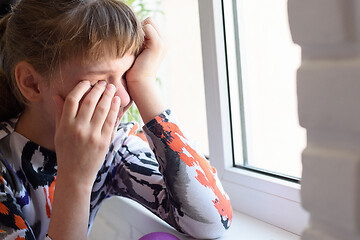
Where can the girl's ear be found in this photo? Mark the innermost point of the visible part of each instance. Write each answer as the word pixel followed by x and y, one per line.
pixel 28 81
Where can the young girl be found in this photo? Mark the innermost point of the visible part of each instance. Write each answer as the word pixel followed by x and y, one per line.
pixel 69 71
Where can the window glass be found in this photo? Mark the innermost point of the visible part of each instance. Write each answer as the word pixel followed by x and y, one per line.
pixel 262 65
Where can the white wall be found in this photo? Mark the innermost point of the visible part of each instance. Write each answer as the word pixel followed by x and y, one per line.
pixel 183 76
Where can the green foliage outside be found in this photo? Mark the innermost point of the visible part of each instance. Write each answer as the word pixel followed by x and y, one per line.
pixel 143 9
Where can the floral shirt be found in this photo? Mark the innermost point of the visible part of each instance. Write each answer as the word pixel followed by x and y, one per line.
pixel 165 174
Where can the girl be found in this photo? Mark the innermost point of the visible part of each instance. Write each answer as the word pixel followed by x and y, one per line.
pixel 69 71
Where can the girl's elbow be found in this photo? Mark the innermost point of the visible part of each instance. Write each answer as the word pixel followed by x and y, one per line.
pixel 209 229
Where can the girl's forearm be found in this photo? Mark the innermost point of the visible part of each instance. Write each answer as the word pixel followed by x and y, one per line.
pixel 70 212
pixel 148 99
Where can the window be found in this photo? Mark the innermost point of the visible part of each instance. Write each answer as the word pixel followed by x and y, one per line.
pixel 230 52
pixel 261 62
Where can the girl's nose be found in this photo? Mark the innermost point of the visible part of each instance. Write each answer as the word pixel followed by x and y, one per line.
pixel 123 95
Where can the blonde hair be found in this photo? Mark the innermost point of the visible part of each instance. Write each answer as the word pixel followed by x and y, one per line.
pixel 46 33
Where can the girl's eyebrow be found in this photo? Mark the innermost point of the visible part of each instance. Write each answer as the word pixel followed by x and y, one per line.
pixel 97 72
pixel 104 71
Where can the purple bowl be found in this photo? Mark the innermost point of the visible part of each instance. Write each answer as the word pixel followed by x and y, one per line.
pixel 159 236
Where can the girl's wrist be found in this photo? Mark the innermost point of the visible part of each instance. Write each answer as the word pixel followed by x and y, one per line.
pixel 143 84
pixel 142 90
pixel 74 183
pixel 148 99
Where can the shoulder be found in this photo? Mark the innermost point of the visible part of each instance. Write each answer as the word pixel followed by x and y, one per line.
pixel 126 129
pixel 7 127
pixel 125 133
pixel 7 175
pixel 9 181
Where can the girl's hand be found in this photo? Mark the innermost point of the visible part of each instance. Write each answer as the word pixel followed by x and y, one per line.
pixel 147 63
pixel 84 125
pixel 141 76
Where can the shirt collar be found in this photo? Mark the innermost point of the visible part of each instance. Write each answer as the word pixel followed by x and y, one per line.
pixel 7 127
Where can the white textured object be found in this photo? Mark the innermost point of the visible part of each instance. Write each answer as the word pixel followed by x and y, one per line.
pixel 328 95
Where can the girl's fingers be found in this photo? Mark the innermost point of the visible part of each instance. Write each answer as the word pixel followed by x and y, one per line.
pixel 111 117
pixel 59 102
pixel 152 38
pixel 90 102
pixel 72 100
pixel 102 109
pixel 150 32
pixel 150 21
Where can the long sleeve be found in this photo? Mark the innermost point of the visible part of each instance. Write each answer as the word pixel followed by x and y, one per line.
pixel 166 175
pixel 12 221
pixel 27 184
pixel 172 180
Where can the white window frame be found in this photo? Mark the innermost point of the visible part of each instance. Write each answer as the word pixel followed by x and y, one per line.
pixel 269 199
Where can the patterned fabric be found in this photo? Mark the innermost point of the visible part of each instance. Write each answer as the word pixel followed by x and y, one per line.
pixel 171 180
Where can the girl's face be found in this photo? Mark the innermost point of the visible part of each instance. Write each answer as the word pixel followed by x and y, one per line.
pixel 71 73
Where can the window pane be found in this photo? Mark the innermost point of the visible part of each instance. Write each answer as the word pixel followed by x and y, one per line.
pixel 268 60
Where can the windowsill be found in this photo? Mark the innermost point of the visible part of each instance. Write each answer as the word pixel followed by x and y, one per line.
pixel 121 218
pixel 245 227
